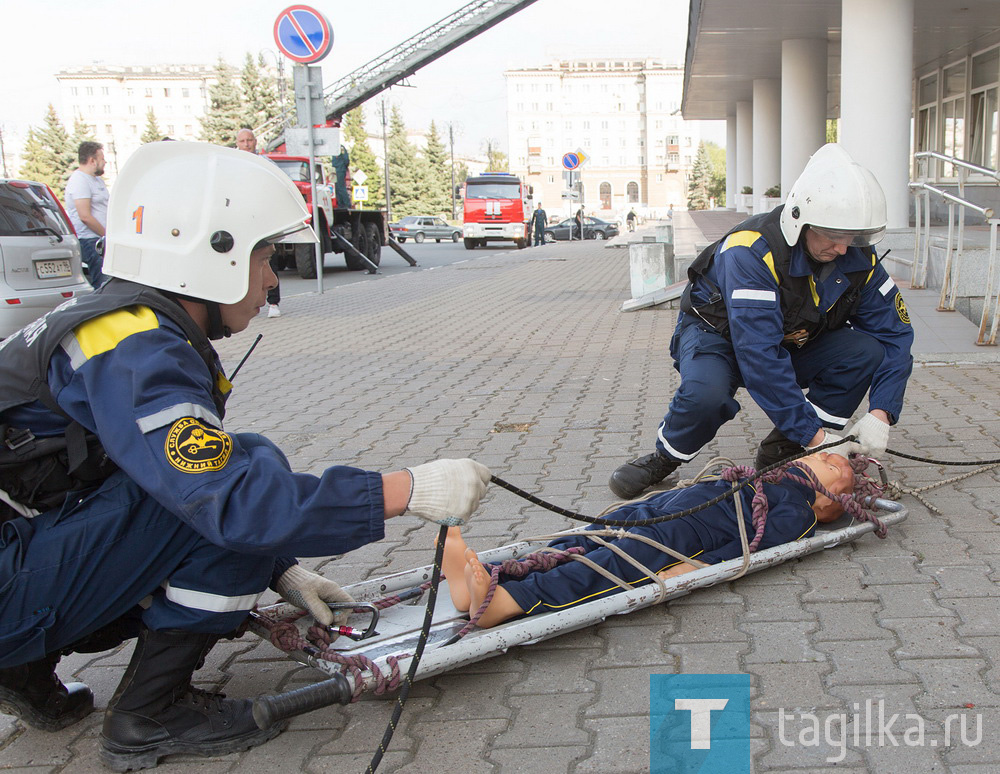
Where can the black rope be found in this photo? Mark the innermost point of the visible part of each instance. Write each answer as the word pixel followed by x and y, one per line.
pixel 736 487
pixel 425 629
pixel 895 453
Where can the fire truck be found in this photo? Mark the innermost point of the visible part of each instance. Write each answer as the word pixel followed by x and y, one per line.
pixel 336 224
pixel 496 206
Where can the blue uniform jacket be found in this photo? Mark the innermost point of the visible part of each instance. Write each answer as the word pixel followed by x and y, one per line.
pixel 131 378
pixel 749 288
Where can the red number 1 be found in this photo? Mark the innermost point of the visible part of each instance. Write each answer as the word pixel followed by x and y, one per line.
pixel 137 217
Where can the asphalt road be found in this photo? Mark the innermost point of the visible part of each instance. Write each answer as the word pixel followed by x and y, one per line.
pixel 427 255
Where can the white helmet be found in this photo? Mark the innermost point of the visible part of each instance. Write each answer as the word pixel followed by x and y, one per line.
pixel 185 216
pixel 837 196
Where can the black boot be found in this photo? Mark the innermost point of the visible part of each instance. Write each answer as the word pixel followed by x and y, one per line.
pixel 155 711
pixel 775 448
pixel 633 478
pixel 33 693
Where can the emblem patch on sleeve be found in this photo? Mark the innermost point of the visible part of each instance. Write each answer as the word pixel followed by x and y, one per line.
pixel 904 315
pixel 192 447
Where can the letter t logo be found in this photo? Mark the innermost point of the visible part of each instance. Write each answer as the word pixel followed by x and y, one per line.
pixel 701 719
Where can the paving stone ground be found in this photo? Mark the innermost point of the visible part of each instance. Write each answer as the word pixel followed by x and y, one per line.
pixel 407 369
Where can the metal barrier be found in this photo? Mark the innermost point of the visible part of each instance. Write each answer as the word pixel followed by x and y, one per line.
pixel 957 205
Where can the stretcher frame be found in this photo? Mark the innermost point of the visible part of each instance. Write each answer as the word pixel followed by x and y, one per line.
pixel 399 626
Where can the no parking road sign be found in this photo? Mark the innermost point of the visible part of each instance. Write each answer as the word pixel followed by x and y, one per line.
pixel 570 161
pixel 303 34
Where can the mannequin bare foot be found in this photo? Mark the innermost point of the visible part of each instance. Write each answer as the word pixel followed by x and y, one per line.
pixel 453 565
pixel 501 608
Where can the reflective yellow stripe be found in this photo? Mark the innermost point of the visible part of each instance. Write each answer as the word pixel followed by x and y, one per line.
pixel 106 332
pixel 874 257
pixel 225 386
pixel 769 260
pixel 741 239
pixel 812 289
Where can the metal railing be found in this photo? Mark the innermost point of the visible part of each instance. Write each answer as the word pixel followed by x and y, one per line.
pixel 955 242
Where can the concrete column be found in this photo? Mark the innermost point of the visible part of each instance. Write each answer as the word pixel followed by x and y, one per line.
pixel 731 142
pixel 766 137
pixel 744 147
pixel 875 102
pixel 803 105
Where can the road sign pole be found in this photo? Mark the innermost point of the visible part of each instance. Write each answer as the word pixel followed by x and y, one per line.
pixel 311 70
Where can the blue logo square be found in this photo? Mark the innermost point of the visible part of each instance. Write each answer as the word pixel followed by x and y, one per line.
pixel 700 724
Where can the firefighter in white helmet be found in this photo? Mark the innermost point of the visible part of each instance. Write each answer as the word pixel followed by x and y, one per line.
pixel 118 398
pixel 793 305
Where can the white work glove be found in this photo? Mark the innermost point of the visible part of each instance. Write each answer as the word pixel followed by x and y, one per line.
pixel 310 591
pixel 872 434
pixel 447 491
pixel 843 449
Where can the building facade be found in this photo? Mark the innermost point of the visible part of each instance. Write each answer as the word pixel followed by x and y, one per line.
pixel 624 114
pixel 115 100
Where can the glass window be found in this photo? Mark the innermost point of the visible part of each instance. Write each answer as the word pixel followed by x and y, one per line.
pixel 27 209
pixel 605 196
pixel 986 68
pixel 954 80
pixel 493 191
pixel 985 130
pixel 953 119
pixel 632 192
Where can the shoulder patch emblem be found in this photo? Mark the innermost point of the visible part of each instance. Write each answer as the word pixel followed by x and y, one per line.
pixel 904 315
pixel 193 447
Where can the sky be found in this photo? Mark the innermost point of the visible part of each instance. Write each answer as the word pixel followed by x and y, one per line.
pixel 465 87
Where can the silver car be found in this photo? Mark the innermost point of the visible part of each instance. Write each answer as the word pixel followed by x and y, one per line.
pixel 420 227
pixel 39 255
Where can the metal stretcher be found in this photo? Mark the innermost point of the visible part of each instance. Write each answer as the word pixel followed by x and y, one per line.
pixel 391 648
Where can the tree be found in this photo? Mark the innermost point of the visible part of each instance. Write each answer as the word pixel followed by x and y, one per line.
pixel 408 172
pixel 832 130
pixel 259 93
pixel 152 132
pixel 224 116
pixel 717 164
pixel 48 154
pixel 439 179
pixel 701 177
pixel 496 160
pixel 362 157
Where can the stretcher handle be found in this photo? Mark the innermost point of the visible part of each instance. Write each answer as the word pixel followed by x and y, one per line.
pixel 268 710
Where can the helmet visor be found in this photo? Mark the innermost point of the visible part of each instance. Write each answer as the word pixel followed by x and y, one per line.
pixel 300 233
pixel 854 238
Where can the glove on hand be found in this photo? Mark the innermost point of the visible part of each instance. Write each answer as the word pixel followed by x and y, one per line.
pixel 447 491
pixel 844 448
pixel 310 591
pixel 872 434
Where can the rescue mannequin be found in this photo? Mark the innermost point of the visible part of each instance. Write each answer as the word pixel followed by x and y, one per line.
pixel 166 526
pixel 710 536
pixel 790 300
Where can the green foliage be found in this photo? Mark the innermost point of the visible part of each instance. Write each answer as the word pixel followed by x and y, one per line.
pixel 152 132
pixel 774 192
pixel 259 93
pixel 747 190
pixel 408 172
pixel 224 116
pixel 356 139
pixel 717 164
pixel 832 130
pixel 701 177
pixel 496 160
pixel 439 174
pixel 49 155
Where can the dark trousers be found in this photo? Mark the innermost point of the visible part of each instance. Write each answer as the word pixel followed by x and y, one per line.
pixel 94 262
pixel 836 368
pixel 114 552
pixel 274 294
pixel 539 236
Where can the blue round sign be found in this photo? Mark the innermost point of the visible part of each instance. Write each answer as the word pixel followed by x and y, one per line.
pixel 303 34
pixel 571 161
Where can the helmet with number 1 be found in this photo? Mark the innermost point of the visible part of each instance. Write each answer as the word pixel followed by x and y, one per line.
pixel 836 197
pixel 184 217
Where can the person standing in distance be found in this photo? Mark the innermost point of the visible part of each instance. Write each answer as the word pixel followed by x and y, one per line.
pixel 794 306
pixel 174 527
pixel 539 220
pixel 246 140
pixel 87 205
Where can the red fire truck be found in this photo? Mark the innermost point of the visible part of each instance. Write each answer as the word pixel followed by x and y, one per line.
pixel 497 206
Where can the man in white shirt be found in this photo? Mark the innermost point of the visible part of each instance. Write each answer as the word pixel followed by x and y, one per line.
pixel 87 205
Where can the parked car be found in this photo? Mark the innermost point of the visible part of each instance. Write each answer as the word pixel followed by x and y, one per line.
pixel 40 263
pixel 593 228
pixel 421 227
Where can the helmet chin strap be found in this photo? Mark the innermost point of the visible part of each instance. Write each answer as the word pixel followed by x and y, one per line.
pixel 216 329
